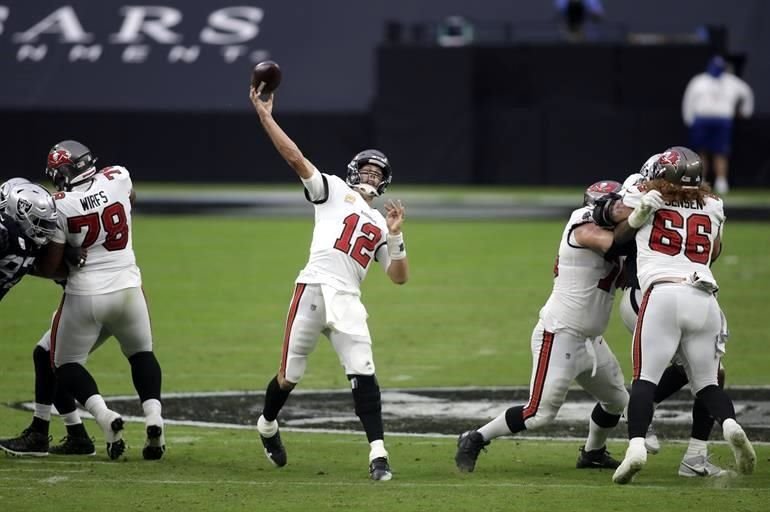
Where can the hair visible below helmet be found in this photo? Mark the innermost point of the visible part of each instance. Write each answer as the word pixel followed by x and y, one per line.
pixel 680 166
pixel 600 189
pixel 5 190
pixel 374 157
pixel 34 209
pixel 69 164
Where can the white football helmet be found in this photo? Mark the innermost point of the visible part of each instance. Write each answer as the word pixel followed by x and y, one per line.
pixel 34 209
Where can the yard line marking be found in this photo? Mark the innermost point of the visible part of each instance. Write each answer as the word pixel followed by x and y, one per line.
pixel 16 470
pixel 464 483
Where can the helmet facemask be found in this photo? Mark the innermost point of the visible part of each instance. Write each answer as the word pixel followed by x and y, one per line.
pixel 374 158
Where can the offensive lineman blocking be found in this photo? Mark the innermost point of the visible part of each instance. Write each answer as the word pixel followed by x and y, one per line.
pixel 348 235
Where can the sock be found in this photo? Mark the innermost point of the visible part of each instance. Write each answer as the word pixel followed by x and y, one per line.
pixel 275 398
pixel 514 417
pixel 696 447
pixel 43 411
pixel 77 430
pixel 719 405
pixel 96 406
pixel 673 379
pixel 637 443
pixel 146 374
pixel 599 427
pixel 152 412
pixel 267 428
pixel 640 408
pixel 40 425
pixel 45 380
pixel 72 418
pixel 495 428
pixel 368 405
pixel 702 422
pixel 377 449
pixel 75 379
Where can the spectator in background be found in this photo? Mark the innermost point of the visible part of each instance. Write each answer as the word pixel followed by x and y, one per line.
pixel 576 12
pixel 710 103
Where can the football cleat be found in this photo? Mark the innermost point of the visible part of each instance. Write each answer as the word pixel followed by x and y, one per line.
pixel 596 459
pixel 701 466
pixel 112 426
pixel 28 444
pixel 651 442
pixel 74 445
pixel 379 469
pixel 469 445
pixel 634 461
pixel 745 456
pixel 155 444
pixel 274 449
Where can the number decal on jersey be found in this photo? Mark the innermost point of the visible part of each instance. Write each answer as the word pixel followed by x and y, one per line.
pixel 114 222
pixel 110 172
pixel 665 238
pixel 605 283
pixel 364 243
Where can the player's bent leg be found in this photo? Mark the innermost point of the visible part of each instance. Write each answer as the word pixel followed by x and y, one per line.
pixel 73 377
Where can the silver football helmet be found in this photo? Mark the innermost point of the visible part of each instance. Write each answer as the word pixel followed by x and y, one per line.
pixel 5 189
pixel 34 209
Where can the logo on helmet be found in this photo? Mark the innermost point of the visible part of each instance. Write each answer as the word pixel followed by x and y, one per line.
pixel 59 157
pixel 669 157
pixel 23 206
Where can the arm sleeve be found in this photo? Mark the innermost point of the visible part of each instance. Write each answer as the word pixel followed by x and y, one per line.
pixel 316 187
pixel 747 105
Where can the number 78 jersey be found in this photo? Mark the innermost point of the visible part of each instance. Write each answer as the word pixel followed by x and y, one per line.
pixel 97 216
pixel 347 237
pixel 678 241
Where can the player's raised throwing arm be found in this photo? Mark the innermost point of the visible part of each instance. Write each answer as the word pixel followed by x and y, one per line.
pixel 285 146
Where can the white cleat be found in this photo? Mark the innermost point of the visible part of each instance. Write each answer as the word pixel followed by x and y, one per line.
pixel 651 442
pixel 745 456
pixel 633 462
pixel 701 466
pixel 112 426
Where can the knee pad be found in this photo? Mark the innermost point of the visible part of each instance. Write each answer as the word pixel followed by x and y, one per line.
pixel 366 394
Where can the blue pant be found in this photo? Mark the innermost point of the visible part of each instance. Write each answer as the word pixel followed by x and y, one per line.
pixel 712 134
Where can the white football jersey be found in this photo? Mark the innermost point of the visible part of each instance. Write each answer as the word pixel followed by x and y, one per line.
pixel 678 240
pixel 97 216
pixel 348 235
pixel 583 285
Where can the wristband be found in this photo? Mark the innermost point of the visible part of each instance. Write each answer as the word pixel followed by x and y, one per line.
pixel 396 248
pixel 638 217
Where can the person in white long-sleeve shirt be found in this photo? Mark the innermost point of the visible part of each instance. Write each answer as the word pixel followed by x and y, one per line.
pixel 711 101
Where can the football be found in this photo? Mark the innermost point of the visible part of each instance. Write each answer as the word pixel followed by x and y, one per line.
pixel 267 72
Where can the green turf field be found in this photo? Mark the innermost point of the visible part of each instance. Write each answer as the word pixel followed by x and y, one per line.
pixel 218 291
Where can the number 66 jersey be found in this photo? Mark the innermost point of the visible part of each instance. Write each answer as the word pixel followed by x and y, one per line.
pixel 97 216
pixel 678 241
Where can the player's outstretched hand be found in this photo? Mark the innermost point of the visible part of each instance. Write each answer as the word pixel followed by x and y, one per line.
pixel 394 216
pixel 263 107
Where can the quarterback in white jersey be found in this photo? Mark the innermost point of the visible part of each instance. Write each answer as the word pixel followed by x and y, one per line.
pixel 567 343
pixel 104 297
pixel 677 226
pixel 349 235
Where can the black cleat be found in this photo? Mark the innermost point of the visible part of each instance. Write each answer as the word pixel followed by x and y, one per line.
pixel 115 444
pixel 596 459
pixel 155 445
pixel 469 445
pixel 379 469
pixel 274 449
pixel 29 444
pixel 74 445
